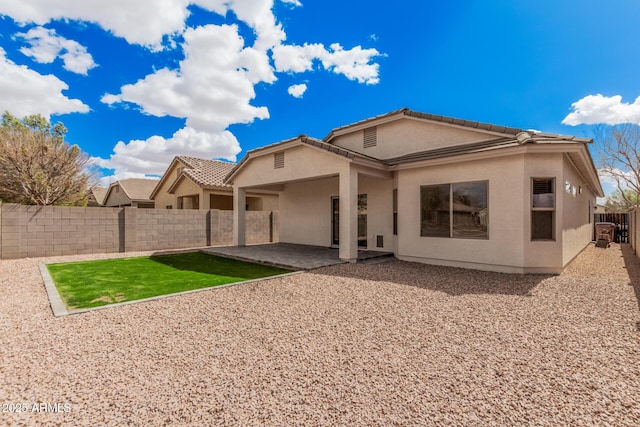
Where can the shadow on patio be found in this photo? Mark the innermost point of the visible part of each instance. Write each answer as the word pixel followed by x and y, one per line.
pixel 288 255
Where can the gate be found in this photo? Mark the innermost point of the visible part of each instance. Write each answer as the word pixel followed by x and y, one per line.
pixel 620 219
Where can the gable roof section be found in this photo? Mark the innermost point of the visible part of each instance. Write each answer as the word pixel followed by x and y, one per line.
pixel 136 189
pixel 405 112
pixel 304 139
pixel 505 137
pixel 206 173
pixel 99 193
pixel 203 172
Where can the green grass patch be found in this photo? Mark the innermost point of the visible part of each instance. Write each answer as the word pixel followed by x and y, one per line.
pixel 94 283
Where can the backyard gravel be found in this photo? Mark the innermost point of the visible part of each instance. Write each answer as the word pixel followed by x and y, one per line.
pixel 393 343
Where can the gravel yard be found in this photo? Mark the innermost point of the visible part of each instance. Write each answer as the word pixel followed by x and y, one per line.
pixel 381 344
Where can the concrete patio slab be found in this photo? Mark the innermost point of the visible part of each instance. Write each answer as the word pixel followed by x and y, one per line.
pixel 299 257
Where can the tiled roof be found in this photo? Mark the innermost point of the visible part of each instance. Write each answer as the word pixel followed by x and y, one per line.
pixel 137 188
pixel 433 117
pixel 349 154
pixel 99 193
pixel 206 173
pixel 457 150
pixel 522 137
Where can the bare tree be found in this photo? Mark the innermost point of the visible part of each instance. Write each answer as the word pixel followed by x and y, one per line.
pixel 37 166
pixel 618 149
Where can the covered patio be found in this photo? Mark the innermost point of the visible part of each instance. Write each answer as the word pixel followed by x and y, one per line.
pixel 325 192
pixel 288 255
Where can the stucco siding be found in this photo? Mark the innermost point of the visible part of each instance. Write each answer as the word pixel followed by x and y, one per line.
pixel 577 217
pixel 502 251
pixel 305 212
pixel 117 198
pixel 543 256
pixel 410 136
pixel 379 211
pixel 307 216
pixel 300 162
pixel 163 198
pixel 186 187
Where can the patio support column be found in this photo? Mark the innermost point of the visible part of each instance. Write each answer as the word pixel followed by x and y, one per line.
pixel 205 200
pixel 239 216
pixel 349 215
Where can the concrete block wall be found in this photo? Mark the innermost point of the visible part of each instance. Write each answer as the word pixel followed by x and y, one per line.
pixel 154 229
pixel 37 231
pixel 33 231
pixel 258 227
pixel 221 227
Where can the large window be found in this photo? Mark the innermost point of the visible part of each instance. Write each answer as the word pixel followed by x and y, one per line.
pixel 543 208
pixel 455 210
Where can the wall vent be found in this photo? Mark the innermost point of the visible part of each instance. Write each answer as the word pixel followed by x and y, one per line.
pixel 370 137
pixel 278 160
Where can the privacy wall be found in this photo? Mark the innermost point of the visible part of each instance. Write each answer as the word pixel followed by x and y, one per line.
pixel 37 231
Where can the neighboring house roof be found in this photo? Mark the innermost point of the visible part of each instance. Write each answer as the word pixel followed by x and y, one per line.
pixel 206 173
pixel 135 189
pixel 203 172
pixel 99 194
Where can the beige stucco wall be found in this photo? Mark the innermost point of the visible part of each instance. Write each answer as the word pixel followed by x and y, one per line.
pixel 577 217
pixel 503 250
pixel 300 162
pixel 163 198
pixel 117 198
pixel 409 135
pixel 543 254
pixel 306 214
pixel 269 201
pixel 509 247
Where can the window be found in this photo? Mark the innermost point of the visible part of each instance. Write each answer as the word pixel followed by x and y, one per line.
pixel 455 210
pixel 395 211
pixel 278 160
pixel 543 207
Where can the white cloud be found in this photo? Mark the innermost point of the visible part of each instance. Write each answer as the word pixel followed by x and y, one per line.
pixel 46 46
pixel 594 109
pixel 297 90
pixel 143 22
pixel 213 87
pixel 297 59
pixel 146 22
pixel 354 63
pixel 26 92
pixel 150 157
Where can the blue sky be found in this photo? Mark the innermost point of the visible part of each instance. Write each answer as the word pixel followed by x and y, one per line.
pixel 137 83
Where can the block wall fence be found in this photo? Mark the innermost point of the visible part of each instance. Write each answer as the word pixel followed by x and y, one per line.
pixel 39 231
